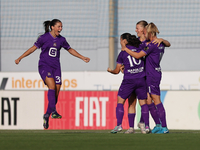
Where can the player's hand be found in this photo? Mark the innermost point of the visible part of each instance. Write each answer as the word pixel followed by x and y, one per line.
pixel 158 41
pixel 86 59
pixel 122 69
pixel 17 61
pixel 109 70
pixel 123 45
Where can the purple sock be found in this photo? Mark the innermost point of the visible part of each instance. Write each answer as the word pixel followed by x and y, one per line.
pixel 154 114
pixel 162 115
pixel 119 113
pixel 131 119
pixel 145 114
pixel 141 118
pixel 51 99
pixel 56 100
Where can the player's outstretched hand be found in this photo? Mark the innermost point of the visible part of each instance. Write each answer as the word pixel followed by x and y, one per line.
pixel 17 61
pixel 86 59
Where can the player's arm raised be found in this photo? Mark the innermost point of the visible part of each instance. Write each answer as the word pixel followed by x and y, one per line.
pixel 76 54
pixel 116 70
pixel 160 40
pixel 28 52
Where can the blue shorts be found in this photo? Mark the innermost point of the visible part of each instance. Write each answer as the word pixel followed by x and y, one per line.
pixel 128 86
pixel 46 71
pixel 153 85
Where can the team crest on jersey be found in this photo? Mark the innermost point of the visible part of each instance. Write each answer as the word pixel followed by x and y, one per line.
pixel 146 48
pixel 49 74
pixel 54 44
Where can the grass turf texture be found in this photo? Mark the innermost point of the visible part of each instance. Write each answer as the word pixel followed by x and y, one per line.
pixel 97 140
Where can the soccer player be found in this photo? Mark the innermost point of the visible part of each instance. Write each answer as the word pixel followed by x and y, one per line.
pixel 153 54
pixel 140 26
pixel 133 81
pixel 49 64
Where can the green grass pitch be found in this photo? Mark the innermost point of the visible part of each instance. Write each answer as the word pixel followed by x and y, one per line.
pixel 97 140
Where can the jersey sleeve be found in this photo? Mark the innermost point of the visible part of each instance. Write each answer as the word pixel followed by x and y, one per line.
pixel 65 44
pixel 39 42
pixel 120 58
pixel 148 49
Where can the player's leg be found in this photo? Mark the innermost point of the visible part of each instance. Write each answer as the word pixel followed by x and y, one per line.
pixel 141 92
pixel 141 123
pixel 153 88
pixel 51 98
pixel 154 114
pixel 131 113
pixel 161 112
pixel 55 114
pixel 119 114
pixel 124 92
pixel 145 115
pixel 58 81
pixel 58 86
pixel 46 74
pixel 51 94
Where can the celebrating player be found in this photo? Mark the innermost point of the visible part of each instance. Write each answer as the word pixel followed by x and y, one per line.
pixel 134 81
pixel 140 26
pixel 153 54
pixel 49 64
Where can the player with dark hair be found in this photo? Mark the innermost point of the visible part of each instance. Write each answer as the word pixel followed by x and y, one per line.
pixel 49 64
pixel 140 26
pixel 153 54
pixel 133 81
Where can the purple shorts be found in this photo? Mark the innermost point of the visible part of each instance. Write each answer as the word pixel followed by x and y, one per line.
pixel 128 86
pixel 153 85
pixel 46 71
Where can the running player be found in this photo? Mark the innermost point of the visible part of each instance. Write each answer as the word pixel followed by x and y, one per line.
pixel 153 54
pixel 49 64
pixel 134 81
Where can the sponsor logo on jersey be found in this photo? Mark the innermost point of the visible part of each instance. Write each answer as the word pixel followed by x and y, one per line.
pixel 54 44
pixel 134 50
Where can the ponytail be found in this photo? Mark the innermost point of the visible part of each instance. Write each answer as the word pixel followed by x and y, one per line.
pixel 134 41
pixel 47 26
pixel 152 28
pixel 131 39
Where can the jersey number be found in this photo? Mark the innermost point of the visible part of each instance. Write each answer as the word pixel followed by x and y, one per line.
pixel 133 61
pixel 58 80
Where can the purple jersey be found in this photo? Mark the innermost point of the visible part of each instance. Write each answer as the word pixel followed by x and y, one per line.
pixel 153 58
pixel 50 47
pixel 134 68
pixel 143 44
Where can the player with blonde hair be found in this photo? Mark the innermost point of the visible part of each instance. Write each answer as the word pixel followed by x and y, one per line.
pixel 153 54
